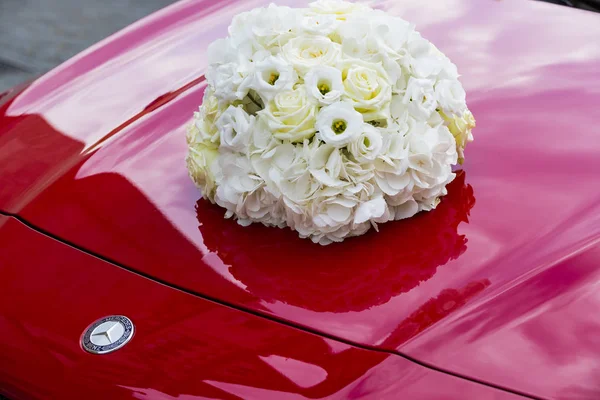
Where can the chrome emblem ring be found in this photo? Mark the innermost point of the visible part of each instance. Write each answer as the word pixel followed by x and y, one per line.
pixel 107 334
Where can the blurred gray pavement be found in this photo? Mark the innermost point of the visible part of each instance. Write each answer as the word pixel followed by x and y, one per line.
pixel 37 35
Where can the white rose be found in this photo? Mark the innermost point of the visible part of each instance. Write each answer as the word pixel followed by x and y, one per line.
pixel 460 126
pixel 324 84
pixel 203 166
pixel 290 115
pixel 306 52
pixel 235 127
pixel 451 96
pixel 367 87
pixel 192 134
pixel 204 131
pixel 205 121
pixel 339 124
pixel 339 8
pixel 273 75
pixel 368 145
pixel 420 98
pixel 210 109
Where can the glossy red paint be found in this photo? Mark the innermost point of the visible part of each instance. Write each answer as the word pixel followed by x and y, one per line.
pixel 505 295
pixel 184 347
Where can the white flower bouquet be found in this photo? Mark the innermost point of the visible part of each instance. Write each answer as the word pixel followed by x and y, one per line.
pixel 328 120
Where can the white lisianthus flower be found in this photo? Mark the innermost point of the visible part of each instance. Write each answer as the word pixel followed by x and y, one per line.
pixel 291 115
pixel 367 86
pixel 329 120
pixel 236 128
pixel 368 145
pixel 420 98
pixel 273 75
pixel 339 124
pixel 306 52
pixel 324 84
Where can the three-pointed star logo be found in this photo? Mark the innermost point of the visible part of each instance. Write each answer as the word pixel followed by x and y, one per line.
pixel 109 332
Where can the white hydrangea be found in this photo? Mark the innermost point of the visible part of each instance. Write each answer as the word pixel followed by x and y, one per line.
pixel 328 120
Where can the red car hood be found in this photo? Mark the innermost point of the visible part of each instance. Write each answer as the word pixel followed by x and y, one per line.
pixel 183 347
pixel 497 284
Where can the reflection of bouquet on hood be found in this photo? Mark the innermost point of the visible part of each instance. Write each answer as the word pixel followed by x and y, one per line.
pixel 351 276
pixel 328 120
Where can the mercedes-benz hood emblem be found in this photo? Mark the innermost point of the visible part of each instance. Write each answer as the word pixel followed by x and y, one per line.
pixel 107 334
